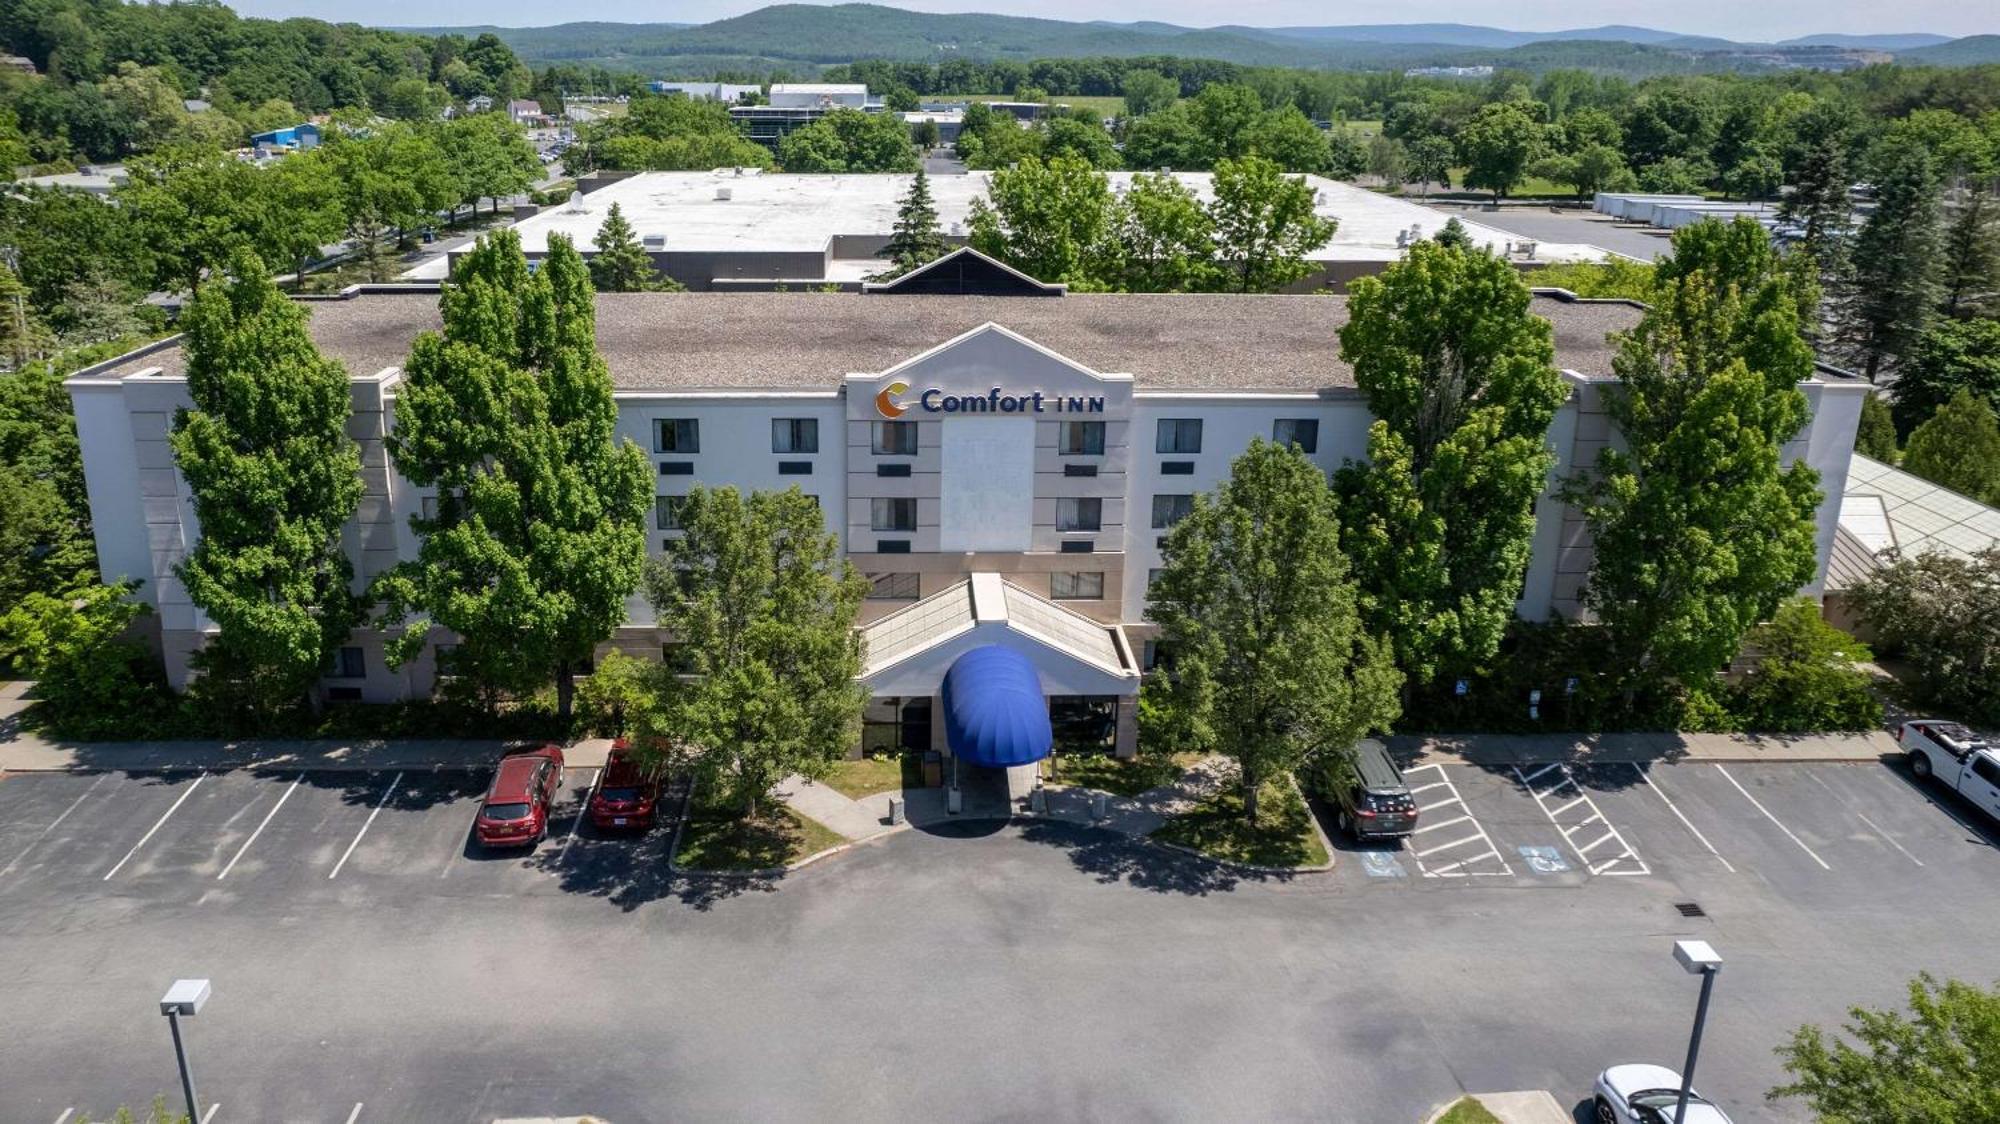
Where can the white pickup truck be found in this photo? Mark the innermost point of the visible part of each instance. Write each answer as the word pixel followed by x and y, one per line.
pixel 1960 759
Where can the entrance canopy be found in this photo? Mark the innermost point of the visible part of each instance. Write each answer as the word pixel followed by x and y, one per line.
pixel 994 712
pixel 909 652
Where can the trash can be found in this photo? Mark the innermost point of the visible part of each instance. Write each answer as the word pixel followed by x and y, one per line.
pixel 1099 805
pixel 1038 800
pixel 933 768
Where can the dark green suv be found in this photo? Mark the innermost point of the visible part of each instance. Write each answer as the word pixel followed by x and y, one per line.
pixel 1371 797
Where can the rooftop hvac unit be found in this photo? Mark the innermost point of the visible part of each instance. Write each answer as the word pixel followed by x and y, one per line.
pixel 576 206
pixel 957 229
pixel 655 243
pixel 722 195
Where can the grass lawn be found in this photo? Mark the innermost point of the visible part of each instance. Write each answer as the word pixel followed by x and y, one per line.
pixel 1468 1111
pixel 1283 835
pixel 718 839
pixel 1120 777
pixel 882 772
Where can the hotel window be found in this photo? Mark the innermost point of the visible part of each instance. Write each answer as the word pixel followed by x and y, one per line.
pixel 1169 510
pixel 348 663
pixel 1303 432
pixel 894 587
pixel 427 507
pixel 888 514
pixel 893 438
pixel 1080 439
pixel 1152 576
pixel 795 435
pixel 1077 587
pixel 1179 435
pixel 667 512
pixel 1079 513
pixel 676 435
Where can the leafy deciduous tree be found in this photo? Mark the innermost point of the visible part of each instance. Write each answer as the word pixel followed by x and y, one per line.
pixel 1497 146
pixel 1939 1064
pixel 1265 224
pixel 538 538
pixel 1942 612
pixel 1270 663
pixel 1806 678
pixel 274 477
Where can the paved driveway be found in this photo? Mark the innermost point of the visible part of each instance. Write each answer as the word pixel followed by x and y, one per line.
pixel 370 964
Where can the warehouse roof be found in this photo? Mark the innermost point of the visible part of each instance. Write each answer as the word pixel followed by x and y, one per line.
pixel 1886 512
pixel 695 341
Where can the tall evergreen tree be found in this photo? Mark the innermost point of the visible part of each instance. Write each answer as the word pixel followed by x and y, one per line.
pixel 1439 522
pixel 1700 532
pixel 1959 448
pixel 1819 209
pixel 1270 661
pixel 1969 273
pixel 1954 355
pixel 1893 288
pixel 756 592
pixel 23 337
pixel 274 477
pixel 508 413
pixel 622 264
pixel 916 239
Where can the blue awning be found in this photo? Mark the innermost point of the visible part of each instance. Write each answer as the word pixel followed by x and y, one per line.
pixel 994 711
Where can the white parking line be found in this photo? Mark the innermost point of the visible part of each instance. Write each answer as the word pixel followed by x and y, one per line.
pixel 1675 809
pixel 53 824
pixel 596 777
pixel 1455 869
pixel 210 1114
pixel 1890 839
pixel 260 827
pixel 66 1114
pixel 199 777
pixel 1772 818
pixel 1567 779
pixel 460 852
pixel 356 1114
pixel 386 793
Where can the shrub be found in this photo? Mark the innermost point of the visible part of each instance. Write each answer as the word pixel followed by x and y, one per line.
pixel 1806 677
pixel 1943 614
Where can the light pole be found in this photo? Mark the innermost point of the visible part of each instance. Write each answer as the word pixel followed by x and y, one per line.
pixel 1699 959
pixel 184 998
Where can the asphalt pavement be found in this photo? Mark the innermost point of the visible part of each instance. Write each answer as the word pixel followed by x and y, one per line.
pixel 371 963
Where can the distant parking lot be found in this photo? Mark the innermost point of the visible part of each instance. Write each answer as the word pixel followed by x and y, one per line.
pixel 373 964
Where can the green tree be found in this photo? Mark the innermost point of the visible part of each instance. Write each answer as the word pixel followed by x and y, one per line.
pixel 1953 355
pixel 1969 269
pixel 1168 237
pixel 1439 522
pixel 1807 677
pixel 393 180
pixel 274 477
pixel 621 264
pixel 1941 612
pixel 1430 162
pixel 509 415
pixel 195 207
pixel 848 140
pixel 1265 225
pixel 490 158
pixel 1053 221
pixel 1270 663
pixel 23 336
pixel 89 675
pixel 757 594
pixel 1594 168
pixel 1939 1064
pixel 1290 140
pixel 1080 135
pixel 1959 448
pixel 1699 531
pixel 1453 234
pixel 1497 146
pixel 1875 434
pixel 303 210
pixel 1819 209
pixel 916 238
pixel 1147 91
pixel 1894 289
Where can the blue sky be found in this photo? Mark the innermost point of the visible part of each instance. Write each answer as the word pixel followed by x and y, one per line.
pixel 1727 18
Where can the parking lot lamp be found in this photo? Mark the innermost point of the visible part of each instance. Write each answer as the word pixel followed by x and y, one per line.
pixel 1698 958
pixel 184 998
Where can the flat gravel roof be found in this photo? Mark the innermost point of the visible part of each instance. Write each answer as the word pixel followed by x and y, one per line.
pixel 799 340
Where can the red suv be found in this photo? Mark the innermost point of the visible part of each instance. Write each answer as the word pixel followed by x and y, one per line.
pixel 516 812
pixel 627 796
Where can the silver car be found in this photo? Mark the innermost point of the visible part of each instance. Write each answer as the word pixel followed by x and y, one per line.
pixel 1647 1094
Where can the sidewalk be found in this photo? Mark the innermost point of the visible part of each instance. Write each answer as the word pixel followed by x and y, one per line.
pixel 1523 749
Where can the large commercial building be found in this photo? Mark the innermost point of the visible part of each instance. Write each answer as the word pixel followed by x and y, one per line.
pixel 744 230
pixel 999 457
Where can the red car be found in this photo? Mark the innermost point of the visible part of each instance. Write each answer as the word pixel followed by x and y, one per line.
pixel 516 811
pixel 627 797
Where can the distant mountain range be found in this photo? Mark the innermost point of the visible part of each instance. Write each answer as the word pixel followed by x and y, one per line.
pixel 804 37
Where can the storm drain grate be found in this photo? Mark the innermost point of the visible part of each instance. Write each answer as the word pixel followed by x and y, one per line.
pixel 1691 909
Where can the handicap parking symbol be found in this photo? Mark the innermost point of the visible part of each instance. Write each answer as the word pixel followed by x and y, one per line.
pixel 1544 860
pixel 1381 864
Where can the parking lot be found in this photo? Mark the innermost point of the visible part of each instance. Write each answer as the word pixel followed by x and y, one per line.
pixel 372 963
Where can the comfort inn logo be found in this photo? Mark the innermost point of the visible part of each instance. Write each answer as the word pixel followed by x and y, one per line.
pixel 886 404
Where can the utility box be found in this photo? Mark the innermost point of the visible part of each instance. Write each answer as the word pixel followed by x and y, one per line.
pixel 954 801
pixel 896 815
pixel 1038 800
